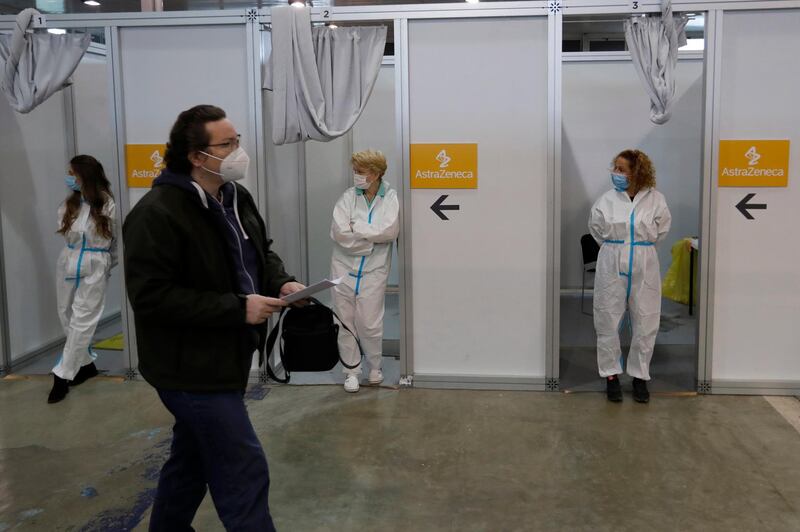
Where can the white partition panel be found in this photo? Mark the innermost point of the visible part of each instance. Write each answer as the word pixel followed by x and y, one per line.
pixel 284 188
pixel 166 70
pixel 34 156
pixel 605 110
pixel 376 129
pixel 479 295
pixel 328 174
pixel 284 198
pixel 756 277
pixel 328 170
pixel 91 101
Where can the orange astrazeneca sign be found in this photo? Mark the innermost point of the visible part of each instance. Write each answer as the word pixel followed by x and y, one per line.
pixel 444 166
pixel 143 163
pixel 753 163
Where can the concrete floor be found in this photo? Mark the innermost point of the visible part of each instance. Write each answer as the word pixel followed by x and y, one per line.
pixel 415 459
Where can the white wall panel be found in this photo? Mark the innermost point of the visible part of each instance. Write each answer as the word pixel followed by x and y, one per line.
pixel 479 279
pixel 757 278
pixel 328 170
pixel 92 106
pixel 328 174
pixel 375 129
pixel 166 70
pixel 34 156
pixel 284 189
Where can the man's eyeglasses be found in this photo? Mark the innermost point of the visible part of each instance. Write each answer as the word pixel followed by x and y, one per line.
pixel 230 144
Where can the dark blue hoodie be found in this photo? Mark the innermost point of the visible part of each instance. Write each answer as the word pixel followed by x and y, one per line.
pixel 243 254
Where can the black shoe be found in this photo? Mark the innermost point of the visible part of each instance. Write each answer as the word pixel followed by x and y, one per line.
pixel 59 391
pixel 640 393
pixel 85 373
pixel 613 390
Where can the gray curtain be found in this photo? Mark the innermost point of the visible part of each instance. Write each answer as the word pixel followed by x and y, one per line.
pixel 321 78
pixel 37 65
pixel 653 43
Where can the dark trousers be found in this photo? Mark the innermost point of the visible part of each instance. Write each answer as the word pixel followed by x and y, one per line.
pixel 213 444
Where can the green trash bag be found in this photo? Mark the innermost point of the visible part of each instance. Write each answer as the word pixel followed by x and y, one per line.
pixel 676 282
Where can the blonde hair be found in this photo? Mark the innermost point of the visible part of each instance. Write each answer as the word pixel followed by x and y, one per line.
pixel 372 161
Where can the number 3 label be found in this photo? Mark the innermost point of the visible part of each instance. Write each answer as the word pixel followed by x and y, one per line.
pixel 634 5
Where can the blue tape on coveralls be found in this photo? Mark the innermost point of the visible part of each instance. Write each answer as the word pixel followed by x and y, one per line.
pixel 629 275
pixel 84 250
pixel 364 258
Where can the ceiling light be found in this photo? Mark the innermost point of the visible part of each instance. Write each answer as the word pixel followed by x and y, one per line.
pixel 297 3
pixel 472 1
pixel 93 3
pixel 56 31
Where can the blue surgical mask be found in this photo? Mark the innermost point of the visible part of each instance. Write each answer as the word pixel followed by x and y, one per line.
pixel 620 182
pixel 72 184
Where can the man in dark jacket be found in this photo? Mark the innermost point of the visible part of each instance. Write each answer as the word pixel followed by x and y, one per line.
pixel 202 282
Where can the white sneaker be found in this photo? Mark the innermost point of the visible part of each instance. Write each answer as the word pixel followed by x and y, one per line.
pixel 351 384
pixel 375 376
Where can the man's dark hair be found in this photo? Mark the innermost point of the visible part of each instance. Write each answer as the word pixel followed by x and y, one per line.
pixel 189 134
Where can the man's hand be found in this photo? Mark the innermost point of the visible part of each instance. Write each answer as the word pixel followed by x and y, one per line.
pixel 260 308
pixel 292 287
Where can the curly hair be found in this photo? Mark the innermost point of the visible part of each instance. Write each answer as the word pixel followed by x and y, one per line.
pixel 643 174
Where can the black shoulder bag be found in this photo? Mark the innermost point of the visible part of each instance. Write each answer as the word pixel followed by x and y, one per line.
pixel 309 340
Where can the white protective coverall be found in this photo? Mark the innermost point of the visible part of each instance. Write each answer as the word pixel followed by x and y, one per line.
pixel 83 269
pixel 628 273
pixel 362 255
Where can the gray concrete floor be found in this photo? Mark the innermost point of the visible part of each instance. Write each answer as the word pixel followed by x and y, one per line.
pixel 414 459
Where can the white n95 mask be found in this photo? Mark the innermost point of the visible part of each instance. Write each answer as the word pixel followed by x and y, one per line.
pixel 360 181
pixel 233 167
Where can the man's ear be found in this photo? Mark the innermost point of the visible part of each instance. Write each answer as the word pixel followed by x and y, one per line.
pixel 197 159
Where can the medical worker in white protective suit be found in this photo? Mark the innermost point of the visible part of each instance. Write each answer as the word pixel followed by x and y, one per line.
pixel 628 221
pixel 86 219
pixel 365 224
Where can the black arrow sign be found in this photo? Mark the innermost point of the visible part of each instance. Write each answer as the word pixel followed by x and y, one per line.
pixel 745 207
pixel 437 207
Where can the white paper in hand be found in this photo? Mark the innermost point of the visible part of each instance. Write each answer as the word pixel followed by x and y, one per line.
pixel 311 290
